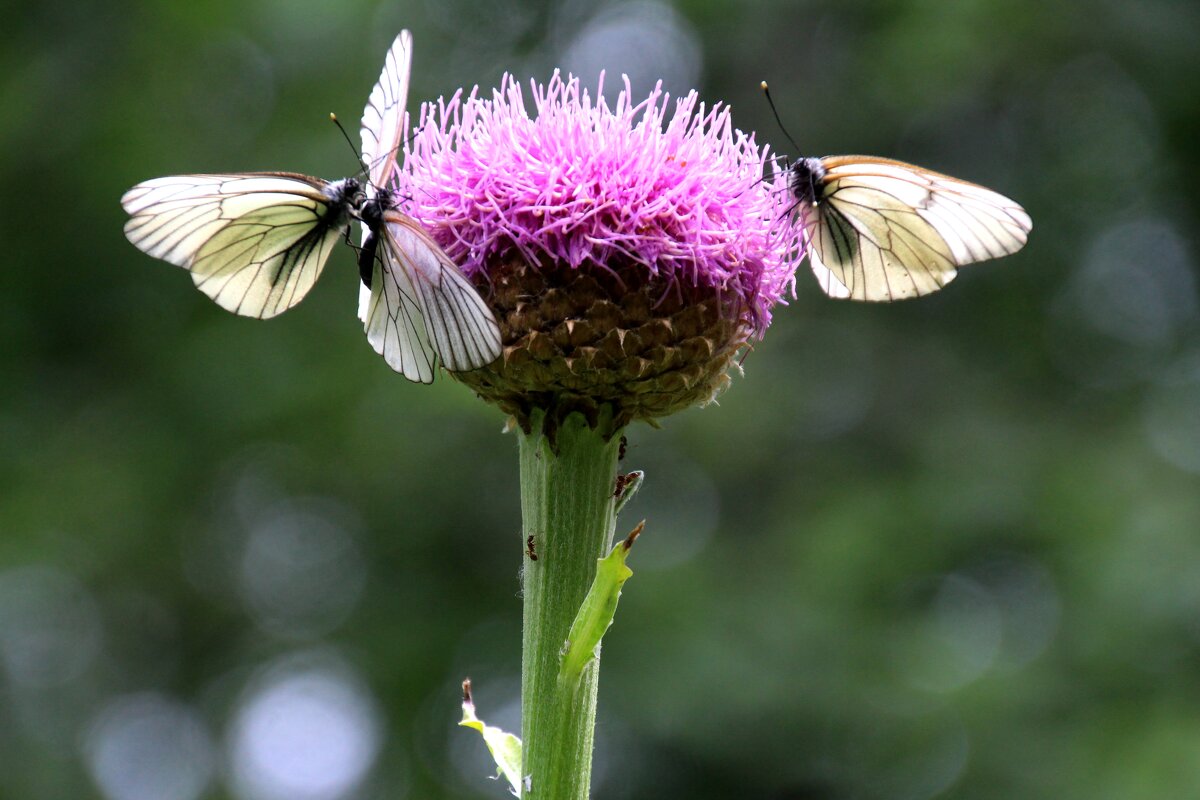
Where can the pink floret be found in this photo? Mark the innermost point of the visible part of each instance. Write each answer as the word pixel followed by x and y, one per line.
pixel 579 183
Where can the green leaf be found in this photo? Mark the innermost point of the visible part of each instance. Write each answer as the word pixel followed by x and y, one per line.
pixel 504 746
pixel 597 611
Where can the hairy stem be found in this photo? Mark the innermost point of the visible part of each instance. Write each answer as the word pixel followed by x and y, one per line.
pixel 567 509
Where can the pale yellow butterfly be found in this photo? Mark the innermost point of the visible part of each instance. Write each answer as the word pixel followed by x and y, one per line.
pixel 255 242
pixel 883 230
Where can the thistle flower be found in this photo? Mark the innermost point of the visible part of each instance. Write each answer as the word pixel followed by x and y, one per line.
pixel 628 252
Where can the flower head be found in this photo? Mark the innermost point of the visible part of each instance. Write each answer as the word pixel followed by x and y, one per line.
pixel 628 252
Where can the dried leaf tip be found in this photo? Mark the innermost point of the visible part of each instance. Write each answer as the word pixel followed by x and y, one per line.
pixel 466 692
pixel 634 534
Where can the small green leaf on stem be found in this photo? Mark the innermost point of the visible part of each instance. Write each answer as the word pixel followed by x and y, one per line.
pixel 504 747
pixel 597 612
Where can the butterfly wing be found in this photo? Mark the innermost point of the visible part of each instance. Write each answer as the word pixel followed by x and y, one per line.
pixel 393 320
pixel 382 132
pixel 884 230
pixel 253 242
pixel 383 118
pixel 413 274
pixel 419 304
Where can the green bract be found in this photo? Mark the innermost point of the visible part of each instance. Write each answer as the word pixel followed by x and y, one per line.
pixel 596 614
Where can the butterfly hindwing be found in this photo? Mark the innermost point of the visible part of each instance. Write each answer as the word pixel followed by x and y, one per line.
pixel 266 261
pixel 458 324
pixel 879 248
pixel 394 324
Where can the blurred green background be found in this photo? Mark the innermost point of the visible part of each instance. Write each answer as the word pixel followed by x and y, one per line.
pixel 947 548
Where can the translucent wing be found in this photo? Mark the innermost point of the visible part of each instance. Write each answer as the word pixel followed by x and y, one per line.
pixel 383 118
pixel 394 325
pixel 421 304
pixel 884 230
pixel 382 134
pixel 254 242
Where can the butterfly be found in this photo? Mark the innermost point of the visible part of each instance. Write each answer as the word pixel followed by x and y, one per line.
pixel 256 243
pixel 883 230
pixel 880 230
pixel 414 300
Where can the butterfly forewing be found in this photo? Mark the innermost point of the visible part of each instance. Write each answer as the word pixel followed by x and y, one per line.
pixel 884 230
pixel 977 223
pixel 170 218
pixel 382 130
pixel 383 118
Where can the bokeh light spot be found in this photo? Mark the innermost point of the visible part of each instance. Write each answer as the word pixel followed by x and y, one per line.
pixel 49 626
pixel 1172 414
pixel 1125 308
pixel 149 747
pixel 307 730
pixel 301 570
pixel 647 41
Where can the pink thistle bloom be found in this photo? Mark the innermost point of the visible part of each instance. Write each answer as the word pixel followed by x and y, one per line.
pixel 582 184
pixel 666 200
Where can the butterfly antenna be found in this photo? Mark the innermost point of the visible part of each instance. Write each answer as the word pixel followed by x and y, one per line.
pixel 358 156
pixel 775 111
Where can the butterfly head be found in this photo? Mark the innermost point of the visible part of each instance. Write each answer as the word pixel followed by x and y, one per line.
pixel 371 209
pixel 346 193
pixel 805 184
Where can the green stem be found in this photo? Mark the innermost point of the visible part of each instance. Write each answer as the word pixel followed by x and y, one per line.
pixel 567 507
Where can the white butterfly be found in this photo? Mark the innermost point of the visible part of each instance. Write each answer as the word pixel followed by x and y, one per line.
pixel 256 243
pixel 414 300
pixel 882 230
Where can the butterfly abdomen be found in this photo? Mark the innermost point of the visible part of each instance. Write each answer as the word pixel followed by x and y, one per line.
pixel 366 260
pixel 370 211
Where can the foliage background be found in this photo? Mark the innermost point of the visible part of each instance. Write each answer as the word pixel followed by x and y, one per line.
pixel 948 548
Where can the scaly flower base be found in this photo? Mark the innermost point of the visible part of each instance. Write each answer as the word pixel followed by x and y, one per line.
pixel 618 338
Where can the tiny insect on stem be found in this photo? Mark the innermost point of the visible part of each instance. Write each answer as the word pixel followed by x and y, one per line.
pixel 530 549
pixel 627 486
